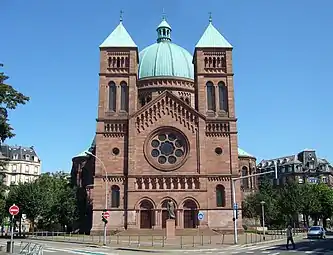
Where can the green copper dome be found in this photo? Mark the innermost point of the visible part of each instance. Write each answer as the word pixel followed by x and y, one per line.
pixel 164 58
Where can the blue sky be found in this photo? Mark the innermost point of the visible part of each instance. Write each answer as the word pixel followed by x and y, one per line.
pixel 283 61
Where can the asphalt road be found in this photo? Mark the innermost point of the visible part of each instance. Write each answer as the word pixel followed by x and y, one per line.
pixel 303 247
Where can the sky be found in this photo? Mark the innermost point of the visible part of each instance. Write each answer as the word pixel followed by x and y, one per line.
pixel 282 56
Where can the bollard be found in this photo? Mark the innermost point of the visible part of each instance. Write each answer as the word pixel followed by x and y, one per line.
pixel 117 239
pixel 181 241
pixel 202 240
pixel 152 241
pixel 251 237
pixel 163 241
pixel 210 239
pixel 138 240
pixel 192 241
pixel 129 240
pixel 222 241
pixel 245 238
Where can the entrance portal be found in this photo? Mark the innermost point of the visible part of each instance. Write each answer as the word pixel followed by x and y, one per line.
pixel 190 214
pixel 147 219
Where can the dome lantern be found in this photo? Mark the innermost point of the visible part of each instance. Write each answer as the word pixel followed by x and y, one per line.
pixel 163 31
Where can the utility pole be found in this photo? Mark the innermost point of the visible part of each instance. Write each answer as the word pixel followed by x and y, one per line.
pixel 263 217
pixel 233 190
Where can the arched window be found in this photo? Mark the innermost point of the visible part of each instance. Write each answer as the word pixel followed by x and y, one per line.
pixel 124 96
pixel 112 96
pixel 223 96
pixel 115 196
pixel 245 182
pixel 220 196
pixel 210 96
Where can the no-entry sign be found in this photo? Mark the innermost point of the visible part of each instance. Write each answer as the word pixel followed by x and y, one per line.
pixel 106 215
pixel 14 210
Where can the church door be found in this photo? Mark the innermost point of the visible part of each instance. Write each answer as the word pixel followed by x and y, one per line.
pixel 190 214
pixel 147 219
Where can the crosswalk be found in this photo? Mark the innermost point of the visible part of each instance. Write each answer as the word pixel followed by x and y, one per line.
pixel 259 249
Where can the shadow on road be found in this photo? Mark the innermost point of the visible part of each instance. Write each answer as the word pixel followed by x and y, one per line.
pixel 319 246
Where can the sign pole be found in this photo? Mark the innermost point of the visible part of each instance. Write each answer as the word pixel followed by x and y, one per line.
pixel 12 236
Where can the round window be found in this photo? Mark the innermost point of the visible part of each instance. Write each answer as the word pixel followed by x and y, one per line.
pixel 218 150
pixel 115 151
pixel 166 149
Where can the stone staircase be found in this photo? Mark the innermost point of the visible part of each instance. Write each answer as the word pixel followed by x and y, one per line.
pixel 161 232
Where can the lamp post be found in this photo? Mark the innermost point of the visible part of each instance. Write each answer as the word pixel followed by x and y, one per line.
pixel 106 188
pixel 263 217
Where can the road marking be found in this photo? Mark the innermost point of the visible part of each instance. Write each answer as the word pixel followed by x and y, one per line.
pixel 276 253
pixel 235 252
pixel 266 252
pixel 221 252
pixel 49 251
pixel 309 252
pixel 250 252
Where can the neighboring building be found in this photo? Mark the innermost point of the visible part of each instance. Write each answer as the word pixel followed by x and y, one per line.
pixel 302 167
pixel 23 164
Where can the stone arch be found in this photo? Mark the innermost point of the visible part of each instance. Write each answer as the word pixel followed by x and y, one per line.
pixel 190 212
pixel 160 205
pixel 181 205
pixel 138 203
pixel 147 213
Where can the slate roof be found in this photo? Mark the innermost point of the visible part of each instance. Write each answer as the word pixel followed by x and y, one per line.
pixel 9 151
pixel 212 38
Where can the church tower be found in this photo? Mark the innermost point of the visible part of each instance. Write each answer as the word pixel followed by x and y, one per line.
pixel 214 91
pixel 117 87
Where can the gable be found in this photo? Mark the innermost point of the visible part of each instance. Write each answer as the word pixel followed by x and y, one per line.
pixel 167 104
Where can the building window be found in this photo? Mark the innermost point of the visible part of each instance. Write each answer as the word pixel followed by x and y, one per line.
pixel 220 196
pixel 36 169
pixel 115 196
pixel 245 181
pixel 124 96
pixel 324 179
pixel 223 96
pixel 112 96
pixel 210 96
pixel 14 168
pixel 15 156
pixel 27 169
pixel 27 157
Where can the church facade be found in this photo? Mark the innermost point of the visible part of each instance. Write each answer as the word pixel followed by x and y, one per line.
pixel 166 130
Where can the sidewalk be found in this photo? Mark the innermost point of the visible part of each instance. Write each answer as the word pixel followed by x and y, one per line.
pixel 160 242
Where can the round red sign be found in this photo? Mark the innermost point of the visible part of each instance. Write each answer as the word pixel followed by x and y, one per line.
pixel 106 215
pixel 14 209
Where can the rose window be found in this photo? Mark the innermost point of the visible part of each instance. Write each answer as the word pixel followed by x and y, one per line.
pixel 166 149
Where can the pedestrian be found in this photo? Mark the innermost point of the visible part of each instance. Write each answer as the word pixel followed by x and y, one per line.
pixel 290 237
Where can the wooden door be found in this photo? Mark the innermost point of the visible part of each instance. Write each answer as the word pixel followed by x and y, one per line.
pixel 145 219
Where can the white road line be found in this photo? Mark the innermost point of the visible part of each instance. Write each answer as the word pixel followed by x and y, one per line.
pixel 235 252
pixel 221 252
pixel 276 253
pixel 250 252
pixel 309 252
pixel 49 251
pixel 266 252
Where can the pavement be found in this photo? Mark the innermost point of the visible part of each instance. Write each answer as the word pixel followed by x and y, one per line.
pixel 303 247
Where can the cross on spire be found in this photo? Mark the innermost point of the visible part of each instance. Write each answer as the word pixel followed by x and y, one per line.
pixel 121 15
pixel 210 17
pixel 163 14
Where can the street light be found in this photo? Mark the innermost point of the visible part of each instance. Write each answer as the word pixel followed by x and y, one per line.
pixel 106 188
pixel 263 217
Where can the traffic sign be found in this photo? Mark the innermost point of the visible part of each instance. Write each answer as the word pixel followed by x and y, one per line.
pixel 235 206
pixel 14 210
pixel 200 215
pixel 106 215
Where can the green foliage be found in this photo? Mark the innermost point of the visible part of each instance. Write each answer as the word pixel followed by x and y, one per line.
pixel 9 100
pixel 49 201
pixel 284 203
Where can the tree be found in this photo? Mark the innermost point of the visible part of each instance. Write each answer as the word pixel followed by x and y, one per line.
pixel 9 100
pixel 310 204
pixel 30 198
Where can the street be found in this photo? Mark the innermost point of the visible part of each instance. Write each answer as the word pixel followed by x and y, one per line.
pixel 303 246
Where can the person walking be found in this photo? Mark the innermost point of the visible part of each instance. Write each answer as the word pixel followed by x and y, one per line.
pixel 290 237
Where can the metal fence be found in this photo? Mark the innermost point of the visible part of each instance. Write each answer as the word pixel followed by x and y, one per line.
pixel 200 240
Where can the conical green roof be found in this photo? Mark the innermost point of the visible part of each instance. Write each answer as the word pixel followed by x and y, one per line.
pixel 212 38
pixel 118 38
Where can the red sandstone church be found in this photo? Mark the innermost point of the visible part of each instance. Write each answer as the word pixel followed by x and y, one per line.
pixel 166 130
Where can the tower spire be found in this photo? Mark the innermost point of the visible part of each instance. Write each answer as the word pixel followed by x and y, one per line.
pixel 210 17
pixel 121 16
pixel 163 14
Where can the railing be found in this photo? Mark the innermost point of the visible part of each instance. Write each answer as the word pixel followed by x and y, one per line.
pixel 120 239
pixel 30 248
